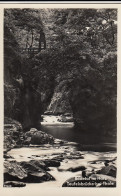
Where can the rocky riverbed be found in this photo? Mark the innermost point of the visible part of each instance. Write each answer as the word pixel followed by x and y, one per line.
pixel 36 158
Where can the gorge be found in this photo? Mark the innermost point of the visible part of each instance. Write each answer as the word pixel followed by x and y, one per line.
pixel 59 63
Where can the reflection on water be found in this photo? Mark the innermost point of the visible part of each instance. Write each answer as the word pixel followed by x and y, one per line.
pixel 66 131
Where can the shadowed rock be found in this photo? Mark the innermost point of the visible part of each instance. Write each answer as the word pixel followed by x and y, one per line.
pixel 36 137
pixel 14 171
pixel 13 135
pixel 34 165
pixel 109 170
pixel 75 169
pixel 14 184
pixel 52 163
pixel 31 172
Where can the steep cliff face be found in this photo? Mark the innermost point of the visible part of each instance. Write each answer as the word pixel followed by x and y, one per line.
pixel 22 101
pixel 59 103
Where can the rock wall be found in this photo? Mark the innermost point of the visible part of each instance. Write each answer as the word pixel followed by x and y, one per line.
pixel 93 98
pixel 59 103
pixel 22 101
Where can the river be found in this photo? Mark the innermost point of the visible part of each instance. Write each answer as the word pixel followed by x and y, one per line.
pixel 66 131
pixel 90 148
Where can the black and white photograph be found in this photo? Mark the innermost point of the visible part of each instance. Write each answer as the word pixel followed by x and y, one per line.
pixel 60 97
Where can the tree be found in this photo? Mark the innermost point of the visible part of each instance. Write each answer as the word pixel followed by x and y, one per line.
pixel 26 25
pixel 95 30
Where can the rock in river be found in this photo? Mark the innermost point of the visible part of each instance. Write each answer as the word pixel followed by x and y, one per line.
pixel 36 171
pixel 52 163
pixel 34 165
pixel 31 172
pixel 75 169
pixel 109 170
pixel 14 171
pixel 37 177
pixel 14 184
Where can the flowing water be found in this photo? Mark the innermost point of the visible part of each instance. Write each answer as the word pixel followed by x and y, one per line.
pixel 92 148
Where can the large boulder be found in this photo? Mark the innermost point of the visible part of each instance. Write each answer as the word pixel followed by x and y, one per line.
pixel 34 165
pixel 32 172
pixel 14 171
pixel 36 170
pixel 38 137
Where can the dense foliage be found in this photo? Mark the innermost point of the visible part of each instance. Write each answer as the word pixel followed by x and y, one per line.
pixel 79 64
